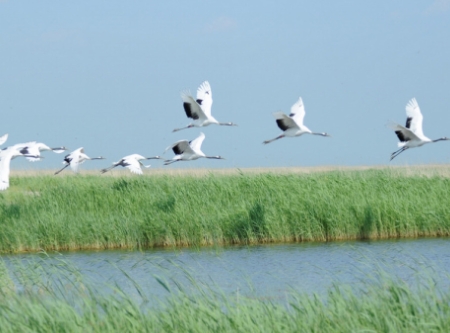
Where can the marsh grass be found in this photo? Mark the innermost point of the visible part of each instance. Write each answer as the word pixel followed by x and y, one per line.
pixel 94 212
pixel 53 297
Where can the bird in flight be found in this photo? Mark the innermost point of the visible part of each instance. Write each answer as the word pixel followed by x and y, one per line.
pixel 6 154
pixel 411 135
pixel 292 125
pixel 188 150
pixel 34 150
pixel 133 163
pixel 75 158
pixel 200 109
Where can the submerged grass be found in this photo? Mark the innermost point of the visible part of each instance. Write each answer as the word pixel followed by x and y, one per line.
pixel 93 212
pixel 383 305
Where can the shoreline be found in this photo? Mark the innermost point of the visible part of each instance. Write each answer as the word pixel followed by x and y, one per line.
pixel 222 245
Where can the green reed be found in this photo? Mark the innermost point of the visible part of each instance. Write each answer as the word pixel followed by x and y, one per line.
pixel 69 304
pixel 59 213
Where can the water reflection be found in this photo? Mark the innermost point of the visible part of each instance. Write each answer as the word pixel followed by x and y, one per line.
pixel 268 271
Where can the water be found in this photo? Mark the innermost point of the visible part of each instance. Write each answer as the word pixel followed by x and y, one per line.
pixel 267 271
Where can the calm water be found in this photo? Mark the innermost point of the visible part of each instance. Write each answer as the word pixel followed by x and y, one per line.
pixel 268 271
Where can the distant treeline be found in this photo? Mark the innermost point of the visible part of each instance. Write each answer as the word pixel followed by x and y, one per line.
pixel 91 212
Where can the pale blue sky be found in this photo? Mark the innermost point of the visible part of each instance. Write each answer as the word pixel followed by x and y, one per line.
pixel 107 75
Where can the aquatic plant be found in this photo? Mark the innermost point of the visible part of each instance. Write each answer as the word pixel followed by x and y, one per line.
pixel 70 304
pixel 69 213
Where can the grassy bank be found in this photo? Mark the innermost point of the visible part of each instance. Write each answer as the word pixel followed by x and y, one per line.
pixel 92 211
pixel 71 305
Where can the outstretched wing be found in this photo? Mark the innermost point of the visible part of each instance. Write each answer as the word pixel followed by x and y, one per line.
pixel 298 112
pixel 133 165
pixel 75 162
pixel 404 134
pixel 204 97
pixel 284 122
pixel 196 144
pixel 180 147
pixel 31 148
pixel 191 107
pixel 414 117
pixel 3 139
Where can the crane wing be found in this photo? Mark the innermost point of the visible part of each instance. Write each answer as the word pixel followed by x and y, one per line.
pixel 204 97
pixel 133 165
pixel 77 151
pixel 404 134
pixel 17 146
pixel 75 161
pixel 298 112
pixel 78 157
pixel 30 148
pixel 414 117
pixel 284 122
pixel 180 147
pixel 191 107
pixel 196 144
pixel 4 170
pixel 24 146
pixel 3 138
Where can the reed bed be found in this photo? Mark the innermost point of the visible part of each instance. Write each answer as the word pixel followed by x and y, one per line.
pixel 95 212
pixel 69 304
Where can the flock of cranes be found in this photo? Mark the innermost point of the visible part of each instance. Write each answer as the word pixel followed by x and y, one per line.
pixel 199 109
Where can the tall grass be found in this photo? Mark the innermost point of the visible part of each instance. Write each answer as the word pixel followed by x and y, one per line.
pixel 60 213
pixel 383 306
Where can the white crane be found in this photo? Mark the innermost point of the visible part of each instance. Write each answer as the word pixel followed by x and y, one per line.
pixel 411 135
pixel 6 154
pixel 34 148
pixel 133 163
pixel 188 150
pixel 75 158
pixel 3 139
pixel 292 125
pixel 200 109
